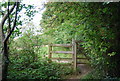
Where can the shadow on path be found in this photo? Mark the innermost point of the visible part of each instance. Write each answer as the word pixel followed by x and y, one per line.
pixel 82 70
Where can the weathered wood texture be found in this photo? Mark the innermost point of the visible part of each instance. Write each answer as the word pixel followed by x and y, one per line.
pixel 65 52
pixel 73 52
pixel 81 63
pixel 62 45
pixel 62 58
pixel 50 49
pixel 74 55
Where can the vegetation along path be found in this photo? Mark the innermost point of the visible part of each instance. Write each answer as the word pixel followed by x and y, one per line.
pixel 96 25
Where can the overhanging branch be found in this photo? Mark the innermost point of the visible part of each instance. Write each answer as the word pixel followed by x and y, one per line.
pixel 6 15
pixel 14 23
pixel 9 17
pixel 2 22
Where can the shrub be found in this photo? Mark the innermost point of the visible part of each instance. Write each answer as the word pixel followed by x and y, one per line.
pixel 37 70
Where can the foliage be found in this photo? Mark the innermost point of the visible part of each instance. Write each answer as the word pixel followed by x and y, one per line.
pixel 96 24
pixel 27 48
pixel 29 11
pixel 37 70
pixel 27 62
pixel 98 75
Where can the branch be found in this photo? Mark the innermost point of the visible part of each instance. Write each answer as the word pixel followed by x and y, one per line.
pixel 2 12
pixel 2 35
pixel 6 15
pixel 14 23
pixel 9 17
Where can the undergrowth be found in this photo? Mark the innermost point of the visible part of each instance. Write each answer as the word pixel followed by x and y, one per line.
pixel 41 69
pixel 98 75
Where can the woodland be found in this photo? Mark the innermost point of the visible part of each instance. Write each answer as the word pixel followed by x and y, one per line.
pixel 96 24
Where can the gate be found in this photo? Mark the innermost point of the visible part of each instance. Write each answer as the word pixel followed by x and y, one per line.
pixel 73 52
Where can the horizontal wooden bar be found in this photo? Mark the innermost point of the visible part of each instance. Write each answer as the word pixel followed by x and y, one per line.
pixel 66 52
pixel 81 63
pixel 61 45
pixel 62 58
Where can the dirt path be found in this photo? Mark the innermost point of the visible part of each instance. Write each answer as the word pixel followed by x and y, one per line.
pixel 82 70
pixel 85 69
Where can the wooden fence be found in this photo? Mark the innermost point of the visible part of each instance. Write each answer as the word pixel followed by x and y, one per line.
pixel 73 52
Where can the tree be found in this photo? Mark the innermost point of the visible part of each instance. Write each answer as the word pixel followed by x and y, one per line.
pixel 7 29
pixel 4 37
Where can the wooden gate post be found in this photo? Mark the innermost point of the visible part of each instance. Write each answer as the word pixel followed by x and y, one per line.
pixel 74 49
pixel 50 49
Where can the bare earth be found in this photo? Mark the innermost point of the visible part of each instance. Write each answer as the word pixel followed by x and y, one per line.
pixel 82 70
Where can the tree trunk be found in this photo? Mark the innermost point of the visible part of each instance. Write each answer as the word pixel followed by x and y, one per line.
pixel 3 40
pixel 5 62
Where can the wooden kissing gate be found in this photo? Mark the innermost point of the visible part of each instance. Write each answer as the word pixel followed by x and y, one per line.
pixel 73 52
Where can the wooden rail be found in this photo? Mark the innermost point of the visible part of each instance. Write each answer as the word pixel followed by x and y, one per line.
pixel 61 45
pixel 73 52
pixel 66 52
pixel 62 58
pixel 81 63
